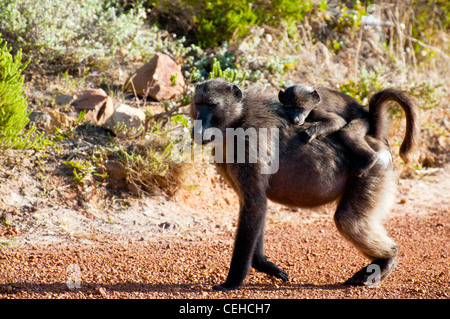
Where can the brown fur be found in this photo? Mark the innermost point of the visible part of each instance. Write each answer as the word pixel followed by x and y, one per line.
pixel 333 111
pixel 379 124
pixel 309 175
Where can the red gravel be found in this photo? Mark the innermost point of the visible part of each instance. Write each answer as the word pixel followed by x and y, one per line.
pixel 317 259
pixel 308 247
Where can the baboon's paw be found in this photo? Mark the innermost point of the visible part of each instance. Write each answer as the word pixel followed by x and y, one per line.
pixel 373 274
pixel 282 275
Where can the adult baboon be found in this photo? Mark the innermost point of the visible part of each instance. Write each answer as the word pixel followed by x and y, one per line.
pixel 309 175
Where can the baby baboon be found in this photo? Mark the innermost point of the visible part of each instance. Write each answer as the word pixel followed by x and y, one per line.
pixel 309 175
pixel 333 111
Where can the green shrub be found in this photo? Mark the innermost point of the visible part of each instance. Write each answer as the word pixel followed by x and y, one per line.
pixel 228 74
pixel 369 82
pixel 13 103
pixel 219 21
pixel 66 34
pixel 287 10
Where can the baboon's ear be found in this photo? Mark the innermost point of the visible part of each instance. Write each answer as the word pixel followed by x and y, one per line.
pixel 200 87
pixel 315 96
pixel 281 97
pixel 237 92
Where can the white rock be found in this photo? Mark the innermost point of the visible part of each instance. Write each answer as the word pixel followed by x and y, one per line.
pixel 133 119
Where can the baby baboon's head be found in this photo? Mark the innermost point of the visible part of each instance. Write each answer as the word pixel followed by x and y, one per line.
pixel 298 101
pixel 217 104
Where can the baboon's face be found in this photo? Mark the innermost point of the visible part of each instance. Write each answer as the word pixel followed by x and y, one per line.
pixel 299 101
pixel 216 104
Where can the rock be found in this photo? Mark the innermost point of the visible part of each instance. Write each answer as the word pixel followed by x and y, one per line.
pixel 155 76
pixel 59 120
pixel 96 102
pixel 118 177
pixel 131 117
pixel 167 225
pixel 41 119
pixel 100 291
pixel 117 174
pixel 63 99
pixel 6 218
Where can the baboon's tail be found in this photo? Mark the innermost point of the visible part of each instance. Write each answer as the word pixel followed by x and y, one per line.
pixel 379 119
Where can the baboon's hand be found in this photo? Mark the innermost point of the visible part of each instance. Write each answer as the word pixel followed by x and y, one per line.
pixel 308 135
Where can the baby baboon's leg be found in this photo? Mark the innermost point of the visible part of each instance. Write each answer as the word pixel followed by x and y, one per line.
pixel 261 263
pixel 359 218
pixel 353 137
pixel 327 123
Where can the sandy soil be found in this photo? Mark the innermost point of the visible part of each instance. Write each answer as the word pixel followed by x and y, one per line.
pixel 160 248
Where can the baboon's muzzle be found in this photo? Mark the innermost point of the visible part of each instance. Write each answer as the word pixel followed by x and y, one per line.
pixel 201 124
pixel 298 118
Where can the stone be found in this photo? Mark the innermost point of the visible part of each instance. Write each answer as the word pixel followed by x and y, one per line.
pixel 167 225
pixel 41 119
pixel 6 218
pixel 63 99
pixel 96 102
pixel 117 174
pixel 116 170
pixel 154 78
pixel 133 119
pixel 100 291
pixel 59 120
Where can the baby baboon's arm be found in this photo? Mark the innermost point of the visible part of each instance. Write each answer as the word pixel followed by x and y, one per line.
pixel 327 123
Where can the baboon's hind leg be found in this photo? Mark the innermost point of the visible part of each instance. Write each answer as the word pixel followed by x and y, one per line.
pixel 359 218
pixel 352 135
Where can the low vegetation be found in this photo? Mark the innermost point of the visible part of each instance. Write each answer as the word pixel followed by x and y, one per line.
pixel 13 104
pixel 357 47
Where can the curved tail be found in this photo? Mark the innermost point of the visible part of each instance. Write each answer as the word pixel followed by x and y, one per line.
pixel 379 119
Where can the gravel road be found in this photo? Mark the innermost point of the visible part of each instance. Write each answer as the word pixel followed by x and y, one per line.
pixel 316 257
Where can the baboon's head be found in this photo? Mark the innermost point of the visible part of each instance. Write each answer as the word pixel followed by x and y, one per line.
pixel 298 101
pixel 216 104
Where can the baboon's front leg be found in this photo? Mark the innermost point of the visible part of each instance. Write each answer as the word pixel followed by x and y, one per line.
pixel 251 223
pixel 261 263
